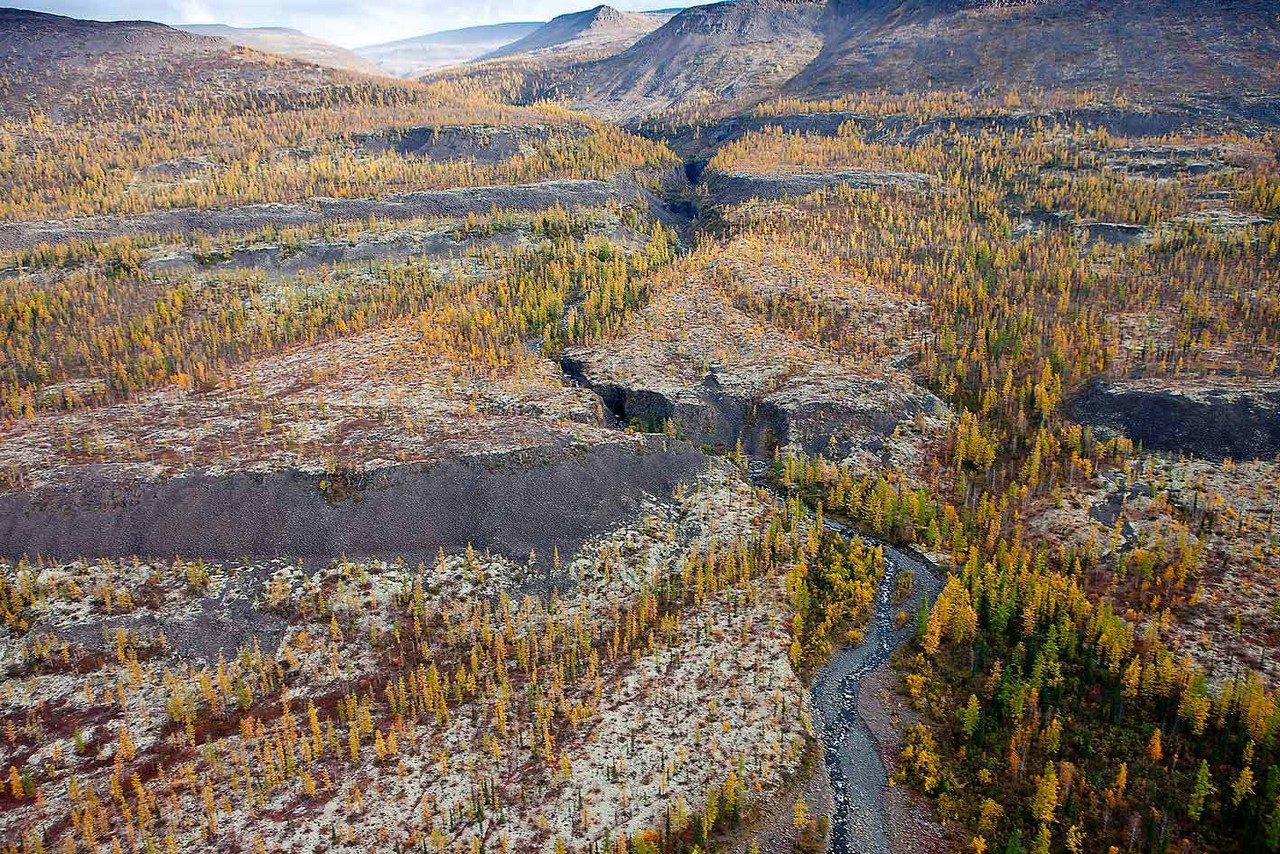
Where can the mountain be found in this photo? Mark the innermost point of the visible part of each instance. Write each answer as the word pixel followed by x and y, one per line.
pixel 1153 49
pixel 288 42
pixel 416 56
pixel 740 52
pixel 29 40
pixel 602 30
pixel 67 67
pixel 724 52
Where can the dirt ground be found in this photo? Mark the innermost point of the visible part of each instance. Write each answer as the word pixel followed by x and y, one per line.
pixel 912 829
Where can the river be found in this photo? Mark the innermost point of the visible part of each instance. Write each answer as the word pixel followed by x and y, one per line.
pixel 858 777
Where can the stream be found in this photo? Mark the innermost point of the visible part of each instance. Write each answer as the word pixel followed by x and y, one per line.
pixel 850 752
pixel 858 777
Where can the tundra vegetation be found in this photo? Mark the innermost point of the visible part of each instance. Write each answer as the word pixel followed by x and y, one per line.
pixel 898 315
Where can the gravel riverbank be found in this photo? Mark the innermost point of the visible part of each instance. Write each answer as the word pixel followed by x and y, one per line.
pixel 859 781
pixel 908 821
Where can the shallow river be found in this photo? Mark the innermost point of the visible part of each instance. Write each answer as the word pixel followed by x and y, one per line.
pixel 858 778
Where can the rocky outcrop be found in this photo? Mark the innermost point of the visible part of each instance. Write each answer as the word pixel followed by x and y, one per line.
pixel 426 203
pixel 472 143
pixel 731 188
pixel 714 420
pixel 838 414
pixel 822 410
pixel 701 140
pixel 1115 233
pixel 542 500
pixel 1211 420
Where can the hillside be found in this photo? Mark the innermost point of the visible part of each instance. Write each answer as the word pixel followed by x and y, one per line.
pixel 733 53
pixel 67 68
pixel 137 118
pixel 860 435
pixel 601 30
pixel 35 45
pixel 725 53
pixel 288 42
pixel 1149 50
pixel 416 56
pixel 28 37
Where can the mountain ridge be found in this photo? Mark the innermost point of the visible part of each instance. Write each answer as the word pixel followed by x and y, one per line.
pixel 418 55
pixel 287 41
pixel 734 54
pixel 600 28
pixel 724 51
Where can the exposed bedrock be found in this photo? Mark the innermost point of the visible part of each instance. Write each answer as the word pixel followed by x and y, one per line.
pixel 811 412
pixel 402 206
pixel 1208 420
pixel 702 141
pixel 708 416
pixel 541 499
pixel 731 188
pixel 475 143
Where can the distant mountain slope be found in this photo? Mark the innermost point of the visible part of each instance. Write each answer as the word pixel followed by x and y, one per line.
pixel 734 53
pixel 29 40
pixel 67 67
pixel 288 42
pixel 1156 48
pixel 603 29
pixel 722 52
pixel 416 56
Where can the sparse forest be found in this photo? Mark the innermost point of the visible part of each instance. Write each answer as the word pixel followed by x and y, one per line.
pixel 1063 712
pixel 695 407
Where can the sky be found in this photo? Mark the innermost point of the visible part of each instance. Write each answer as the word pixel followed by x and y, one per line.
pixel 350 24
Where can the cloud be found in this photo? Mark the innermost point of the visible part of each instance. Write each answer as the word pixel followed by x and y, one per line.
pixel 340 21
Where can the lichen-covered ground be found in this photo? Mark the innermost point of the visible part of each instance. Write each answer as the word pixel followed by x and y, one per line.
pixel 363 705
pixel 1199 547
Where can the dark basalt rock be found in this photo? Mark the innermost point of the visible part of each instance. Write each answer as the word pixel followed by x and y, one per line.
pixel 475 144
pixel 542 499
pixel 846 416
pixel 1212 422
pixel 403 206
pixel 699 142
pixel 1115 233
pixel 737 187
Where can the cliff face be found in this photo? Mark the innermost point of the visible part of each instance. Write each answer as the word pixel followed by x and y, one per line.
pixel 1208 420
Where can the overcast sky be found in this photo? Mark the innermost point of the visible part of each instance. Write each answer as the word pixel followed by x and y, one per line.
pixel 345 22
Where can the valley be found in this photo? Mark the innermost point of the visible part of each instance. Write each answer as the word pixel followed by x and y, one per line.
pixel 765 426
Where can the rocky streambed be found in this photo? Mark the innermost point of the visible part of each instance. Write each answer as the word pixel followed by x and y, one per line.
pixel 859 780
